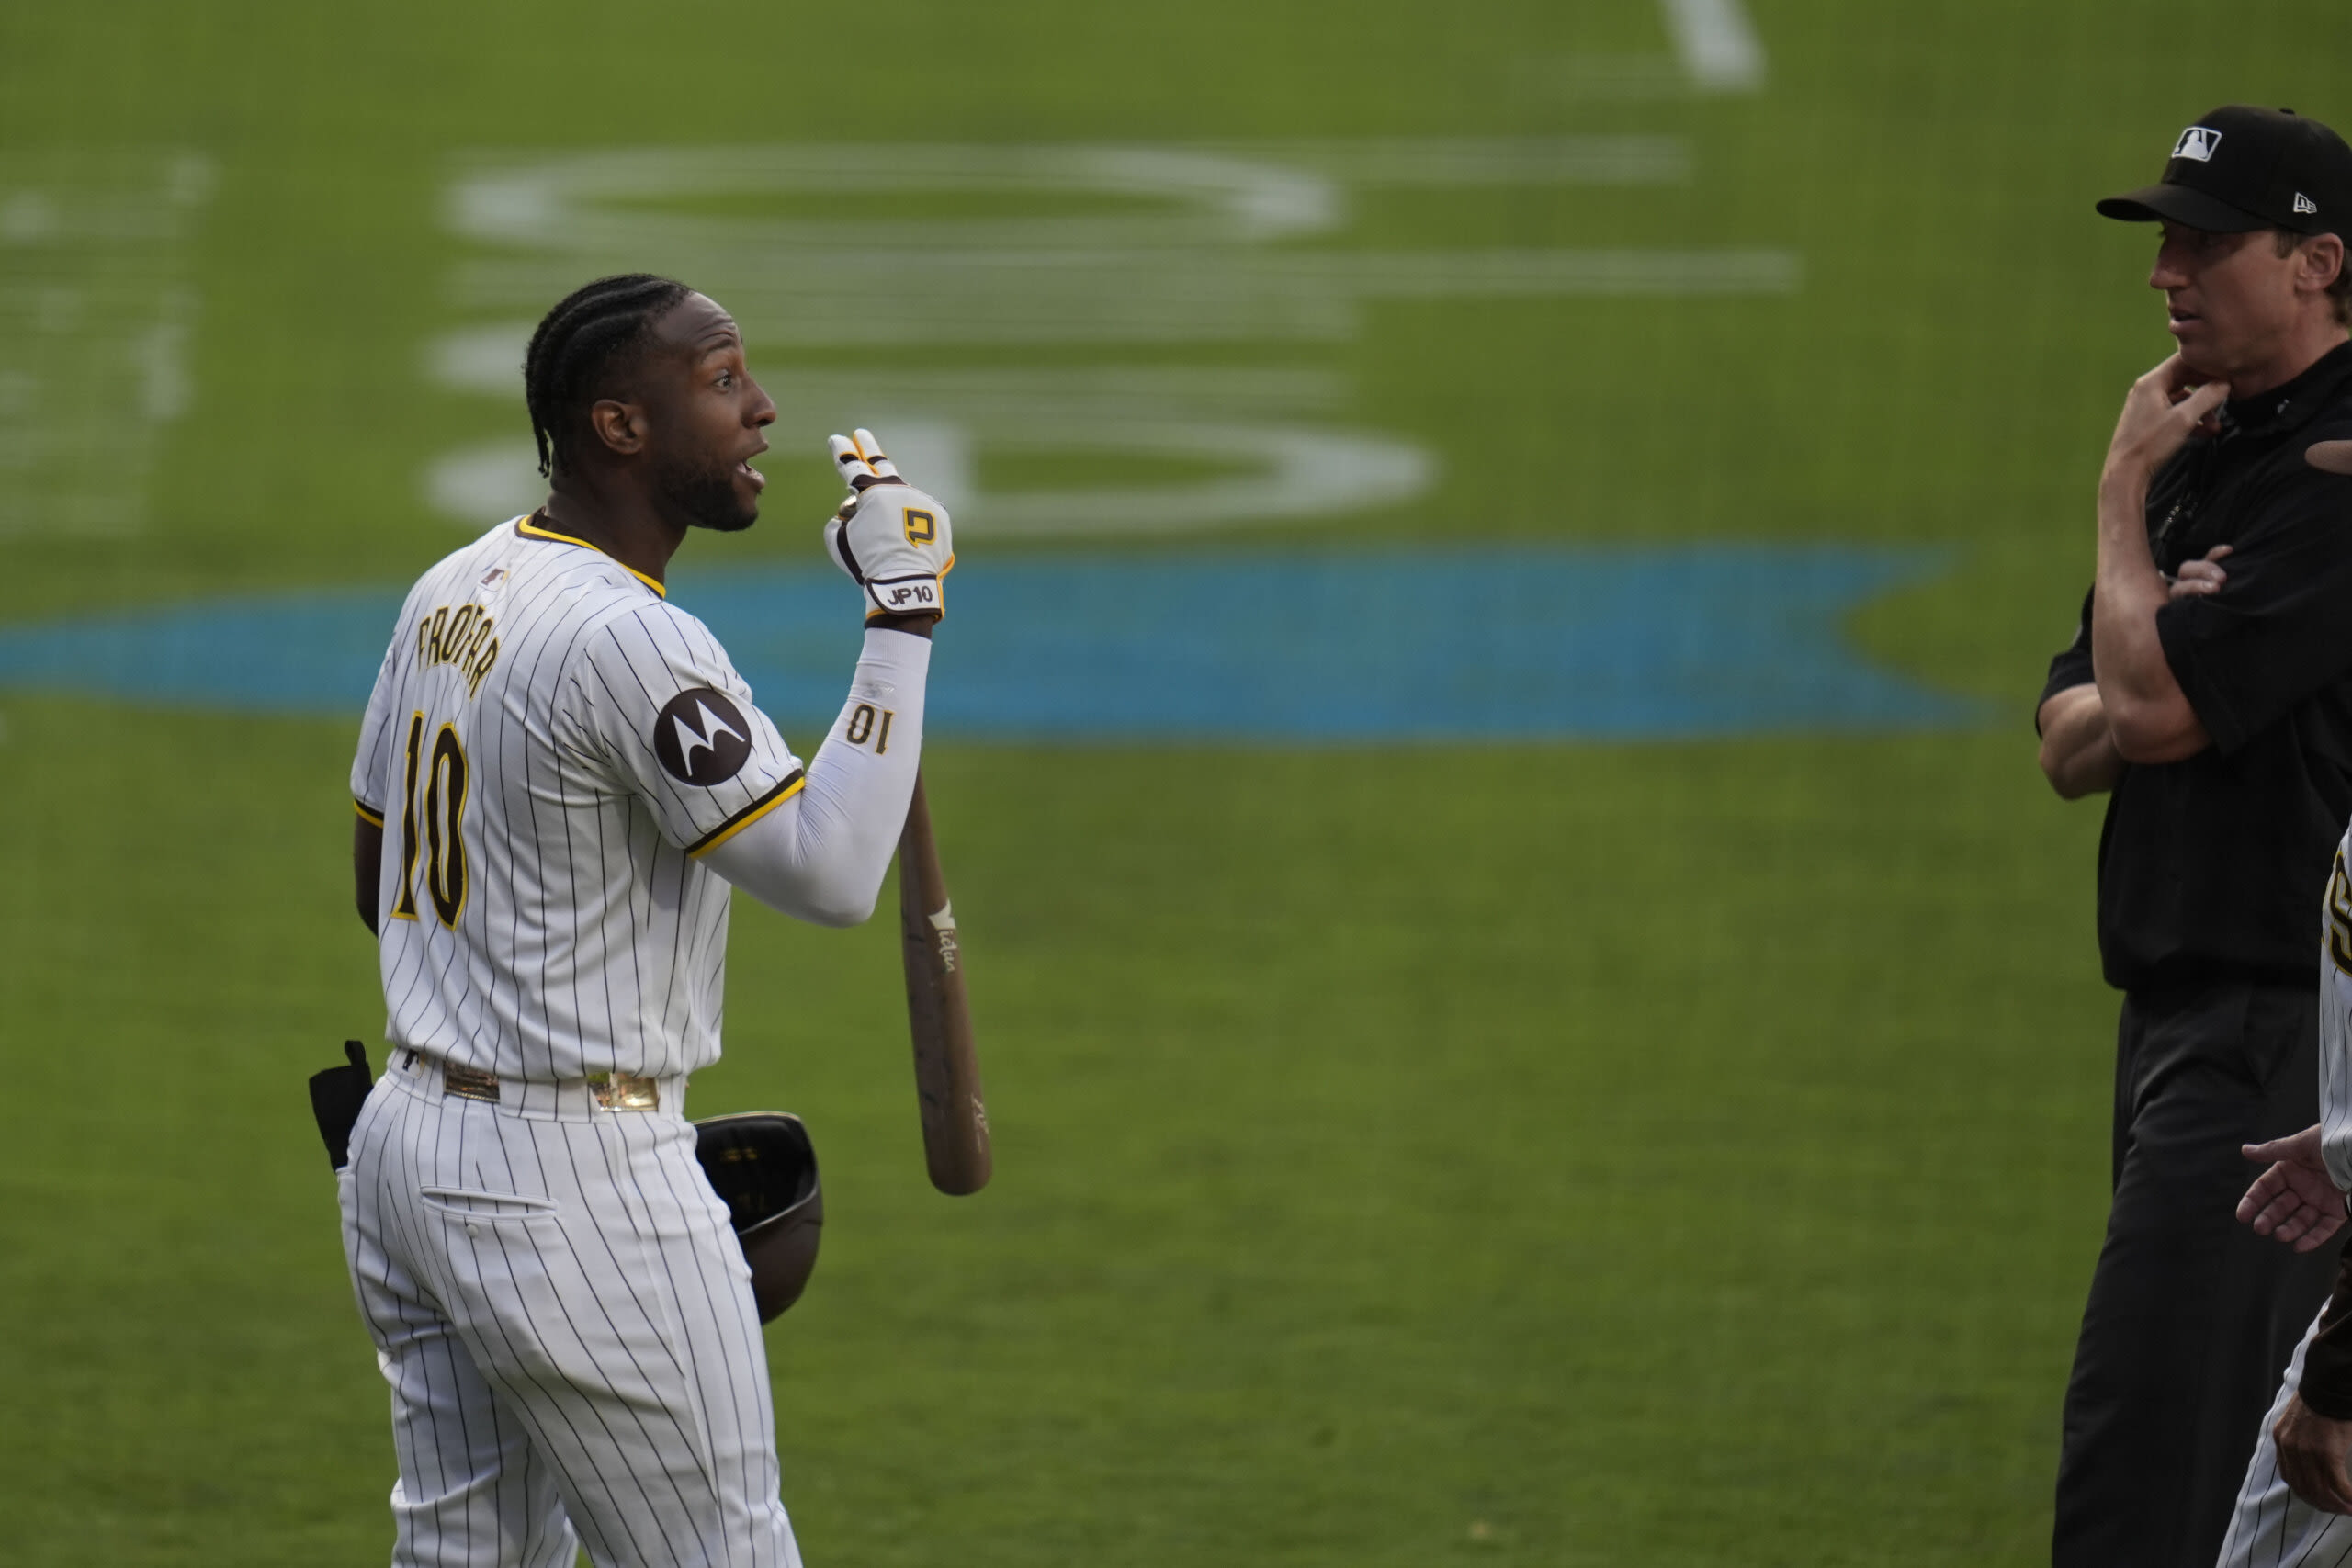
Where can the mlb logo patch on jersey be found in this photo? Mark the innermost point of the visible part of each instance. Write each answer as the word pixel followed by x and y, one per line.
pixel 2197 142
pixel 701 738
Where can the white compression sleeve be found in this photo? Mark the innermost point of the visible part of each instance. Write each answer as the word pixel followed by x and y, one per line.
pixel 821 855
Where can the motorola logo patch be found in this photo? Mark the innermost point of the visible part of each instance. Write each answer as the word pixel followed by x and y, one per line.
pixel 701 738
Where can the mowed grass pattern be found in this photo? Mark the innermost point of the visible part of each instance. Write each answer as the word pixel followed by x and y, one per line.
pixel 1546 1154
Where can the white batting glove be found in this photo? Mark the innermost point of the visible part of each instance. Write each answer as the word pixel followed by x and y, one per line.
pixel 891 538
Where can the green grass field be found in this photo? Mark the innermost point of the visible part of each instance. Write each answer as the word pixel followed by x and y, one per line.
pixel 1537 1154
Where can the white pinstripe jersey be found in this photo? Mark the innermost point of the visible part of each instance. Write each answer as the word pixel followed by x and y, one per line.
pixel 2335 1019
pixel 549 746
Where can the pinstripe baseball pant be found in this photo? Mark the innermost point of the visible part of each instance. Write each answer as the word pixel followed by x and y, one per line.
pixel 2272 1527
pixel 567 1326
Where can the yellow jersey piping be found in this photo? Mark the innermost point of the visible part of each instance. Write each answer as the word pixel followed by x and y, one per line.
pixel 523 527
pixel 757 810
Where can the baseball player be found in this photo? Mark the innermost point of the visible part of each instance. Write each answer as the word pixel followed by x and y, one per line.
pixel 558 779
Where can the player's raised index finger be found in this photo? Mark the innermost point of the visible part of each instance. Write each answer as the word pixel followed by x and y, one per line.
pixel 870 447
pixel 849 459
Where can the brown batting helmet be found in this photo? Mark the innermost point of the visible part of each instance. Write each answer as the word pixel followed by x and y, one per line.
pixel 762 1165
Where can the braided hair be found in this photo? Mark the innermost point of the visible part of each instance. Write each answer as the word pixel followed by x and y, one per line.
pixel 571 356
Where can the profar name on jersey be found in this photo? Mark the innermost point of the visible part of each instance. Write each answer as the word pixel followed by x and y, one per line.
pixel 463 639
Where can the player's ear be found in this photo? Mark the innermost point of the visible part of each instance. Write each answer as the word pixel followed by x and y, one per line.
pixel 619 425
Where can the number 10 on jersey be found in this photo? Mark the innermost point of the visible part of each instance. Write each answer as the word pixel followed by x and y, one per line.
pixel 444 813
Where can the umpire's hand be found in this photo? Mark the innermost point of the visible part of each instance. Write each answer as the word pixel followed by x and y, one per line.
pixel 2295 1201
pixel 2201 579
pixel 2165 408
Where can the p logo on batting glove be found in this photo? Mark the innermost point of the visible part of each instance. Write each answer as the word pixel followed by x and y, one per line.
pixel 894 541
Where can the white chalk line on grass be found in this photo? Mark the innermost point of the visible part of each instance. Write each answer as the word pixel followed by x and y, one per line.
pixel 832 198
pixel 1716 44
pixel 1264 436
pixel 902 298
pixel 1715 51
pixel 1289 472
pixel 828 248
pixel 96 310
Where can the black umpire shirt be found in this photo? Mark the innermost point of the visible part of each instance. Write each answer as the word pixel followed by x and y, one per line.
pixel 2212 867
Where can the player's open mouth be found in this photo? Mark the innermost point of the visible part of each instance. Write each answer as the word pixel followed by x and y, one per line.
pixel 759 480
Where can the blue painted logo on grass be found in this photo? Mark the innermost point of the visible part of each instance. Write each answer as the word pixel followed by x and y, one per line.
pixel 1403 644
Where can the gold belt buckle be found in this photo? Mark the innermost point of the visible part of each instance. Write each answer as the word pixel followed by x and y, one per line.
pixel 625 1091
pixel 469 1084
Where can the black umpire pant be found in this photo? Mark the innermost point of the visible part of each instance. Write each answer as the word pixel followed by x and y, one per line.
pixel 2192 1317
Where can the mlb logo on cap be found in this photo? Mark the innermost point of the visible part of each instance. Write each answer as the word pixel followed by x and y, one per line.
pixel 2241 168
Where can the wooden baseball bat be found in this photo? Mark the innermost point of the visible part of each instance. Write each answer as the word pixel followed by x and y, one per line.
pixel 947 1074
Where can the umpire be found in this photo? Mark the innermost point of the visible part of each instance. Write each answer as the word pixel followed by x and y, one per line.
pixel 2209 693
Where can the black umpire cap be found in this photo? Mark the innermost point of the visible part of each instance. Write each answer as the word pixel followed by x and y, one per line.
pixel 2241 168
